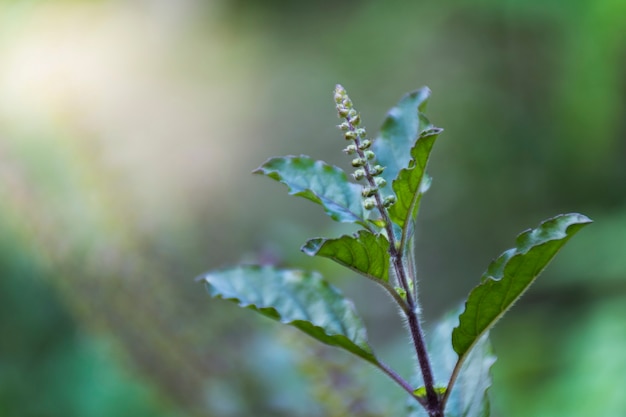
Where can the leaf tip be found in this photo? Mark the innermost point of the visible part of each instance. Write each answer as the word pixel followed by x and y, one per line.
pixel 582 219
pixel 311 246
pixel 200 278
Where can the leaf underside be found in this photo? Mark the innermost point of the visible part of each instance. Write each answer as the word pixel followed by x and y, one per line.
pixel 399 131
pixel 319 182
pixel 469 397
pixel 365 253
pixel 301 299
pixel 508 277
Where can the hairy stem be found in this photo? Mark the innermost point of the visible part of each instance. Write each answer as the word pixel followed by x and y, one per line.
pixel 399 380
pixel 397 250
pixel 433 404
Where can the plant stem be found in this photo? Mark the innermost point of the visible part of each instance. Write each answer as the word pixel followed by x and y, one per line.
pixel 399 380
pixel 433 405
pixel 396 251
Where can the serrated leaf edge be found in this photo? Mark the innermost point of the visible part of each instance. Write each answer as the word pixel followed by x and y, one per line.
pixel 387 286
pixel 366 352
pixel 359 218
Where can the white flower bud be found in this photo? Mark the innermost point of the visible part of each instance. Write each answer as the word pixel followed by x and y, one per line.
pixel 389 200
pixel 359 174
pixel 358 162
pixel 354 121
pixel 350 135
pixel 377 170
pixel 340 93
pixel 369 203
pixel 342 111
pixel 368 191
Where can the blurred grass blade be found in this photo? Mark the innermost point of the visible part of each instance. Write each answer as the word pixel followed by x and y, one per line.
pixel 319 182
pixel 510 275
pixel 365 253
pixel 412 181
pixel 399 131
pixel 300 299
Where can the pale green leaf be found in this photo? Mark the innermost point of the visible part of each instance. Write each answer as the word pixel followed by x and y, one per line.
pixel 468 397
pixel 301 299
pixel 319 182
pixel 399 131
pixel 510 275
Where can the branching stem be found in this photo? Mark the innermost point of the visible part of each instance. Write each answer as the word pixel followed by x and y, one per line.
pixel 433 404
pixel 397 250
pixel 399 380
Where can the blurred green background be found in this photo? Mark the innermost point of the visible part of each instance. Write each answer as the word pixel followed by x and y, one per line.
pixel 128 131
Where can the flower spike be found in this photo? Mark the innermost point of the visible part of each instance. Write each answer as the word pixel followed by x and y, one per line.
pixel 352 131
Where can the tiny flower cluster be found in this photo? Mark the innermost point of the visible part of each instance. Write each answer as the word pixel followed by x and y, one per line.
pixel 360 148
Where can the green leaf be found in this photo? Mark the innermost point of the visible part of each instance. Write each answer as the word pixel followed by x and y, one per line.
pixel 300 299
pixel 399 131
pixel 421 391
pixel 365 253
pixel 468 397
pixel 510 275
pixel 412 181
pixel 319 182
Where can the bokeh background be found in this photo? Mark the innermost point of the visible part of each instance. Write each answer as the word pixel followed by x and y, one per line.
pixel 128 131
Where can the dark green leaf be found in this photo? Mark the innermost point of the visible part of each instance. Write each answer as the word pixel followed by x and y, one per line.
pixel 365 253
pixel 399 131
pixel 319 182
pixel 510 275
pixel 412 181
pixel 300 299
